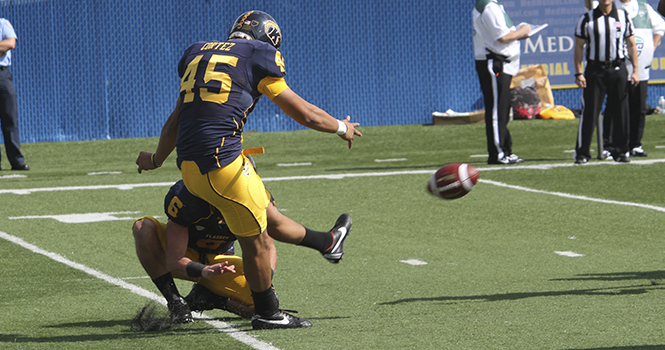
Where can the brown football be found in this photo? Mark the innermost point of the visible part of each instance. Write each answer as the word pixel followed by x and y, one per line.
pixel 453 180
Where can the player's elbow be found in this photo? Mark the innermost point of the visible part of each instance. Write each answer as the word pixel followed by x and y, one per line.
pixel 307 119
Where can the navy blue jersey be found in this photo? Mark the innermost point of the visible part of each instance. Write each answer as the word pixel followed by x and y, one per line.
pixel 208 234
pixel 220 84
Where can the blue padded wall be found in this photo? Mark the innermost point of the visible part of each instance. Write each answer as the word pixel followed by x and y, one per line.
pixel 98 69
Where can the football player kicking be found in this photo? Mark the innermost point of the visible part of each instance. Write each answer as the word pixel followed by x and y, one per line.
pixel 220 83
pixel 197 235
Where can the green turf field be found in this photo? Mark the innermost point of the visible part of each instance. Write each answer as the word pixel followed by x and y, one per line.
pixel 544 255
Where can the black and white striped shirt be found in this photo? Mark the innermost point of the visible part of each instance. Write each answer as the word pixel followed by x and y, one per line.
pixel 605 34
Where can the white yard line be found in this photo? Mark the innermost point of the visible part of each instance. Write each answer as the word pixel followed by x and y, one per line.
pixel 294 164
pixel 330 176
pixel 390 160
pixel 243 336
pixel 573 196
pixel 223 327
pixel 81 188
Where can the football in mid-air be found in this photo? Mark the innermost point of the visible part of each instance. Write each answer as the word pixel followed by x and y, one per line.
pixel 453 180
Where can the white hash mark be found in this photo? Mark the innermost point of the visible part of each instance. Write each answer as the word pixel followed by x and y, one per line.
pixel 414 262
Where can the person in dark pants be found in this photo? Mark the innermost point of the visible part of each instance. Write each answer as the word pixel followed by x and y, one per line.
pixel 220 83
pixel 8 104
pixel 495 33
pixel 649 29
pixel 605 32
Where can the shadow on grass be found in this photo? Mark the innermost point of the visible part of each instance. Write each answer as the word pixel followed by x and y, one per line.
pixel 82 338
pixel 610 291
pixel 92 324
pixel 329 318
pixel 657 277
pixel 632 347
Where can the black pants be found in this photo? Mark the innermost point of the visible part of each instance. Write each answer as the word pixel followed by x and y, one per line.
pixel 637 97
pixel 637 106
pixel 9 117
pixel 495 85
pixel 604 81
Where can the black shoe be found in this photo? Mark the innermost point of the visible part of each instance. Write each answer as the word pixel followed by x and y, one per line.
pixel 180 312
pixel 279 320
pixel 581 160
pixel 339 232
pixel 20 166
pixel 202 299
pixel 622 159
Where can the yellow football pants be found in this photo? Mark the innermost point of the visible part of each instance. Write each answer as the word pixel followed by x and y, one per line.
pixel 236 190
pixel 231 285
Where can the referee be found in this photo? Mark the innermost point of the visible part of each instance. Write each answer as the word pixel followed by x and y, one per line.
pixel 606 32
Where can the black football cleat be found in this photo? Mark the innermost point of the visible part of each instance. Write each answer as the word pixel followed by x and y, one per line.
pixel 180 312
pixel 202 299
pixel 581 160
pixel 279 320
pixel 622 158
pixel 339 232
pixel 20 166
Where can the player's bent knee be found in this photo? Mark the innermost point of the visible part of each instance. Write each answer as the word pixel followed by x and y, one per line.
pixel 144 228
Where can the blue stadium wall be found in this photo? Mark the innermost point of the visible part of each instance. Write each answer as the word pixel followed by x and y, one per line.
pixel 103 69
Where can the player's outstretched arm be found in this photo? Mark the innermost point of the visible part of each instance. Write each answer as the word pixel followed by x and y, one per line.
pixel 167 139
pixel 314 117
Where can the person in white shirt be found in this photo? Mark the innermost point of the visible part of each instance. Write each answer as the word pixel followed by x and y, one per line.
pixel 495 33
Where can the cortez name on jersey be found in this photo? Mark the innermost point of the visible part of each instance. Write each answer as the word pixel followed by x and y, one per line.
pixel 220 84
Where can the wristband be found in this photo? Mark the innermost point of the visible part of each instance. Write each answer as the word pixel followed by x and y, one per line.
pixel 343 128
pixel 152 157
pixel 194 269
pixel 578 74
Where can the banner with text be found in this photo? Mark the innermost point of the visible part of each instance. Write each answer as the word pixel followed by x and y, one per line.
pixel 553 46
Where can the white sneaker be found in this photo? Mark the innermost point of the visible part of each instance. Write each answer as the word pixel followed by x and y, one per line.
pixel 511 159
pixel 638 152
pixel 607 155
